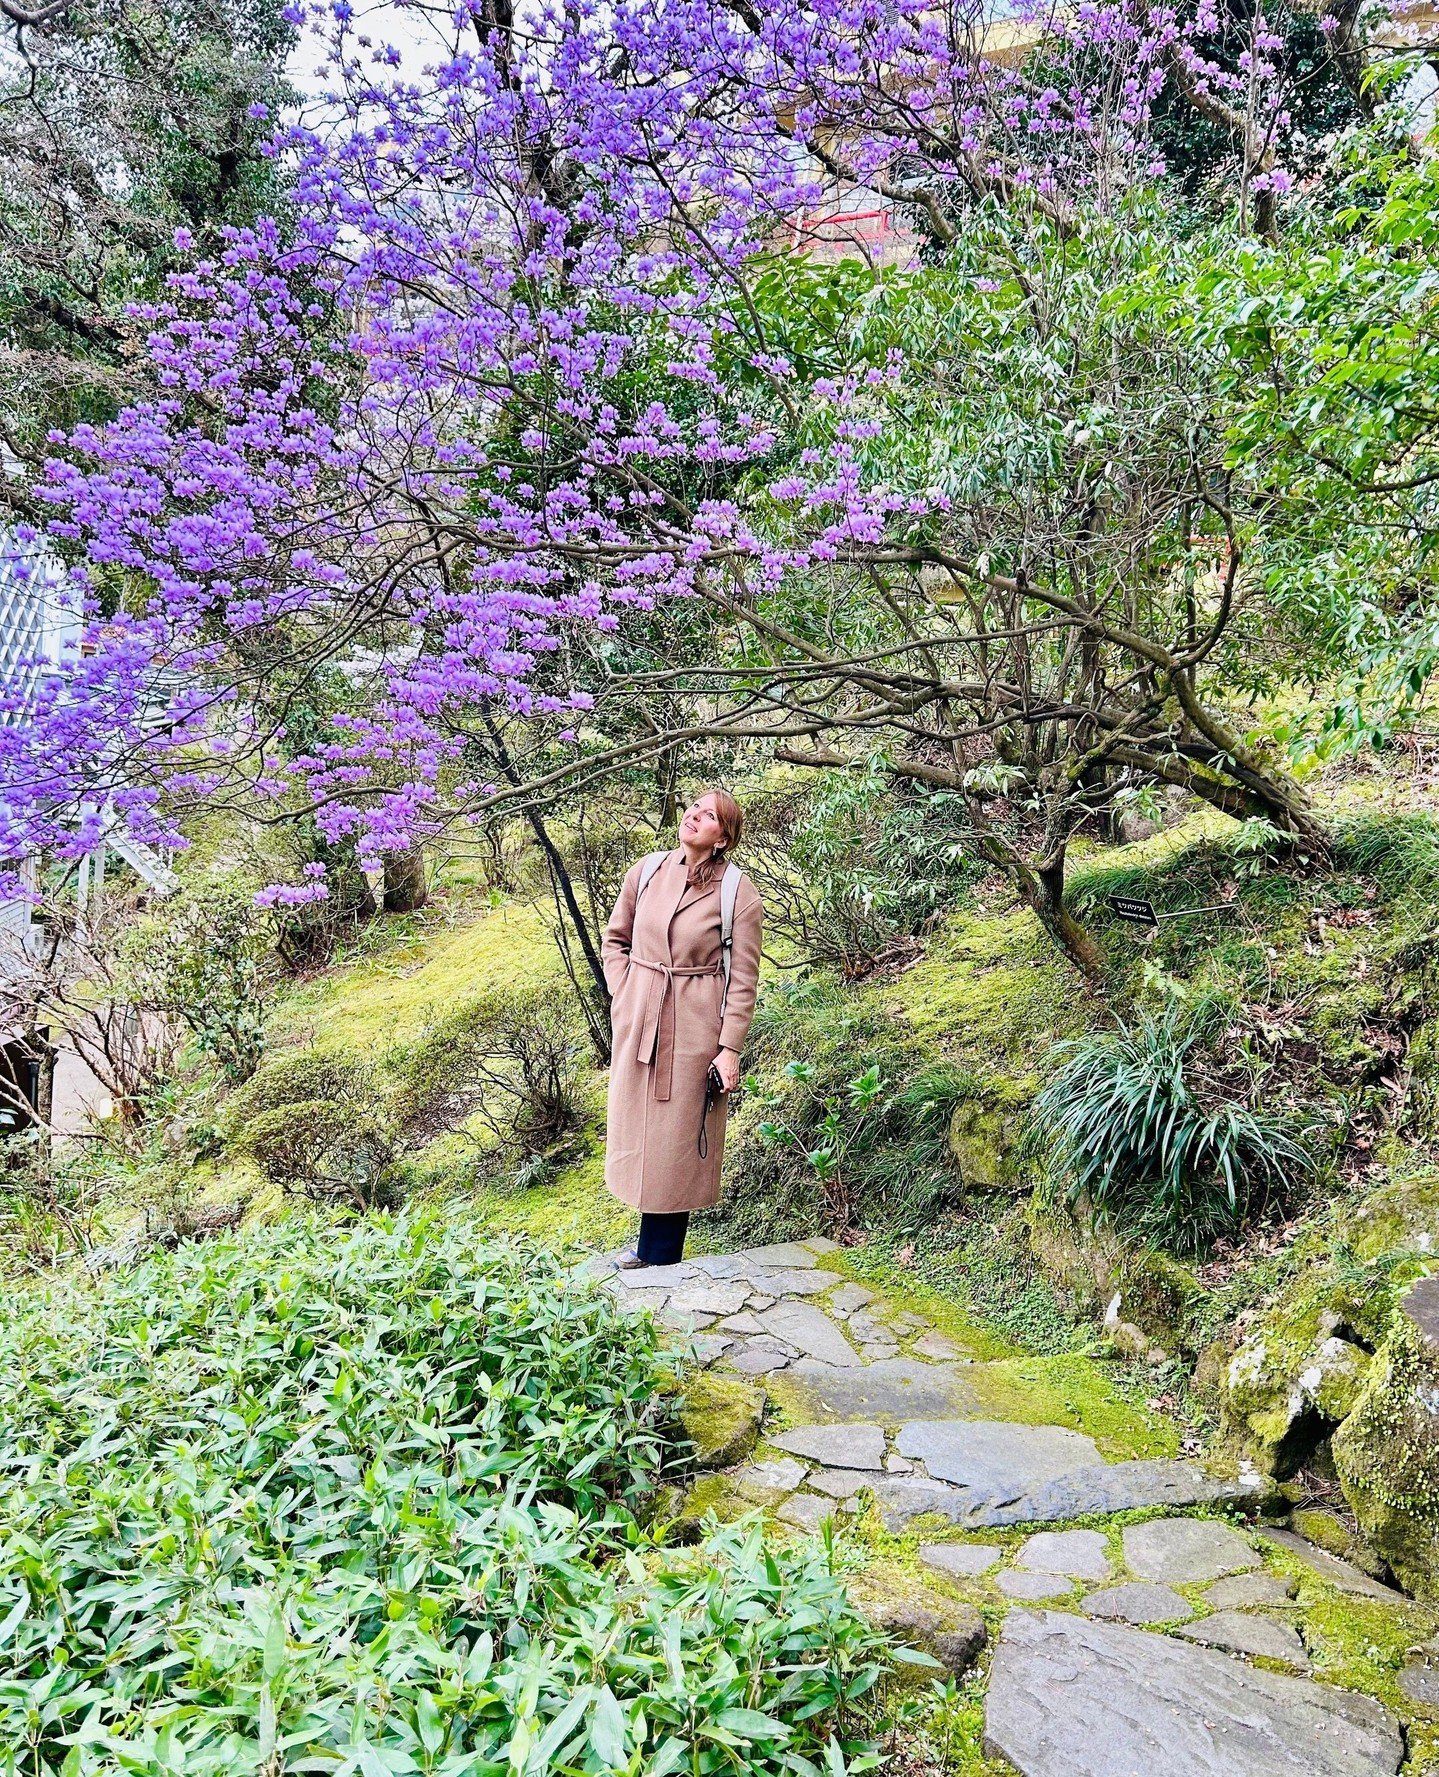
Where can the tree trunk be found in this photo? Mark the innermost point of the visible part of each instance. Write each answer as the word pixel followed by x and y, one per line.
pixel 1043 888
pixel 406 890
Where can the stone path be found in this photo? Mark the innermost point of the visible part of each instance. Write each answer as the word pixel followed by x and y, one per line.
pixel 1140 1664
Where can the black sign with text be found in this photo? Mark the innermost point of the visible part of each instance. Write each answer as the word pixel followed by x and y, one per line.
pixel 1137 912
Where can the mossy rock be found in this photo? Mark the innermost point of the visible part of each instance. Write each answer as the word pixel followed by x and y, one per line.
pixel 1294 1379
pixel 921 1617
pixel 1085 1264
pixel 1387 1451
pixel 712 1496
pixel 983 1136
pixel 721 1416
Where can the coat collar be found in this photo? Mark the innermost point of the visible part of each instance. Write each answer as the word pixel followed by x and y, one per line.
pixel 673 881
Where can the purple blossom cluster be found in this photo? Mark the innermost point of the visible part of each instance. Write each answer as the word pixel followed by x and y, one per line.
pixel 496 375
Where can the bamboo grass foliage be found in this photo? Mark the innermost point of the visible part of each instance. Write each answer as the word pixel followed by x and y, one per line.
pixel 364 1501
pixel 1144 1128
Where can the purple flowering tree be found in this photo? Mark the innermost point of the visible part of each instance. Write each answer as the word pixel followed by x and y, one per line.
pixel 519 366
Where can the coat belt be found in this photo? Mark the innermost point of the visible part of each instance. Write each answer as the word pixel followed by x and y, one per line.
pixel 657 1027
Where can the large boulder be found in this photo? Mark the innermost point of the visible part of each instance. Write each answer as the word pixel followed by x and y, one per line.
pixel 1386 1452
pixel 1289 1384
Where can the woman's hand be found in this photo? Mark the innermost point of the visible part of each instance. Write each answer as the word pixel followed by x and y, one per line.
pixel 726 1065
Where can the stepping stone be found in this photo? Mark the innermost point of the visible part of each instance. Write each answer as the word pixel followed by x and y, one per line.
pixel 862 1325
pixel 761 1479
pixel 758 1301
pixel 806 1511
pixel 821 1244
pixel 898 1465
pixel 709 1347
pixel 936 1346
pixel 684 1323
pixel 1032 1587
pixel 658 1277
pixel 836 1446
pixel 960 1561
pixel 887 1392
pixel 808 1328
pixel 1072 1697
pixel 840 1483
pixel 769 1342
pixel 787 1255
pixel 1081 1554
pixel 1237 1632
pixel 1419 1682
pixel 795 1283
pixel 777 1279
pixel 741 1323
pixel 912 1322
pixel 1094 1491
pixel 753 1361
pixel 708 1298
pixel 1138 1602
pixel 1341 1574
pixel 1251 1591
pixel 850 1296
pixel 878 1354
pixel 993 1458
pixel 1184 1550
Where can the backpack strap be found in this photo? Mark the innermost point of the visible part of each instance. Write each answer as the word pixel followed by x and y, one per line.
pixel 647 872
pixel 729 893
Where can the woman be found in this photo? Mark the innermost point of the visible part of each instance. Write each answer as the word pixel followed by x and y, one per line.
pixel 674 1019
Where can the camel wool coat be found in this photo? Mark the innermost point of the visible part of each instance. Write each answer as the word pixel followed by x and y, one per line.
pixel 662 964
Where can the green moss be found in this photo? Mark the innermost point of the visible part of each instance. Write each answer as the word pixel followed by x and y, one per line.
pixel 379 1001
pixel 1077 1393
pixel 1387 1457
pixel 721 1416
pixel 571 1209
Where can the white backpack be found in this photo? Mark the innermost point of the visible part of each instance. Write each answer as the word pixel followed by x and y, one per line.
pixel 728 893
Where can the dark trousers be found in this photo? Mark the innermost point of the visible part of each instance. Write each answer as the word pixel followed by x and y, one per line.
pixel 662 1238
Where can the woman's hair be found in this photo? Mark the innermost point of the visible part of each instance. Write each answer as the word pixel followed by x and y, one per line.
pixel 731 820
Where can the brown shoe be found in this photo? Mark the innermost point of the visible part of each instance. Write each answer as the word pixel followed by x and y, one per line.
pixel 629 1260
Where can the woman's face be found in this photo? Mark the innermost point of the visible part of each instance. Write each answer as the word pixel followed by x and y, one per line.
pixel 700 825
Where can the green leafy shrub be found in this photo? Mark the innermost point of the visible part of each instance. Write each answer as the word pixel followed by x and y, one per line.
pixel 853 870
pixel 365 1502
pixel 199 958
pixel 316 1125
pixel 856 1130
pixel 1153 1134
pixel 518 1058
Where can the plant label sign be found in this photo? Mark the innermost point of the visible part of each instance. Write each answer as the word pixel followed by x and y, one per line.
pixel 1137 912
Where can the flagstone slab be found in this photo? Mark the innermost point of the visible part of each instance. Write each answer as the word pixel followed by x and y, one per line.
pixel 888 1392
pixel 811 1331
pixel 1083 1492
pixel 841 1483
pixel 1081 1554
pixel 938 1348
pixel 779 1475
pixel 741 1323
pixel 1182 1551
pixel 1073 1697
pixel 1342 1574
pixel 806 1511
pixel 836 1446
pixel 1137 1602
pixel 1251 1591
pixel 960 1561
pixel 704 1297
pixel 994 1459
pixel 850 1296
pixel 754 1360
pixel 1241 1632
